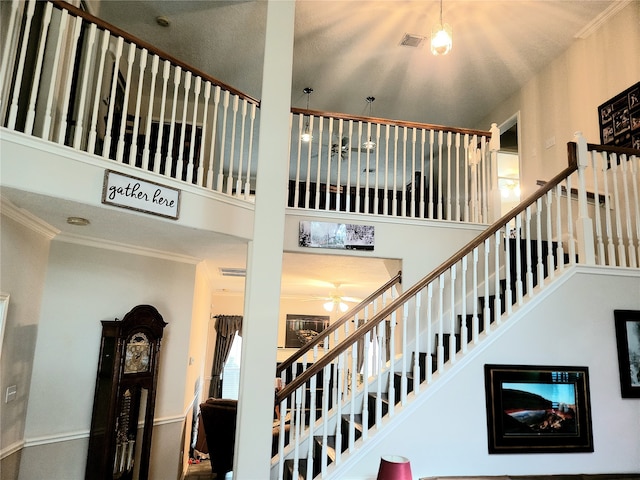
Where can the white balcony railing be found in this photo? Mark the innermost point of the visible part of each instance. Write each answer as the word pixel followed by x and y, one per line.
pixel 70 78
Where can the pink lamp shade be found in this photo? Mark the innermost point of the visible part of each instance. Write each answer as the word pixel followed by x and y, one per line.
pixel 394 467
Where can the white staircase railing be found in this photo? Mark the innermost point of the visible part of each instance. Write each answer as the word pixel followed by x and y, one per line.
pixel 587 214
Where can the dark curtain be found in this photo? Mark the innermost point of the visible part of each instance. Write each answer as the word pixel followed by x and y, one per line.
pixel 226 328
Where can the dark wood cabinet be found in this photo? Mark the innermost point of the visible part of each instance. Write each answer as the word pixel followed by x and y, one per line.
pixel 124 400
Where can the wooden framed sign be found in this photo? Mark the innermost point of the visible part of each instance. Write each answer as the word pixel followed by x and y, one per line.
pixel 134 193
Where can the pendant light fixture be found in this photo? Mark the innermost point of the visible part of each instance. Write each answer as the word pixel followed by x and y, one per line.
pixel 441 37
pixel 369 144
pixel 306 135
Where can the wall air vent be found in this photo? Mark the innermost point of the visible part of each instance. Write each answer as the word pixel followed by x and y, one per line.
pixel 412 40
pixel 233 272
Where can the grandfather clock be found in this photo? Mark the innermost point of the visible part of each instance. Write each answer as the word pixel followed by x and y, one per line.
pixel 124 400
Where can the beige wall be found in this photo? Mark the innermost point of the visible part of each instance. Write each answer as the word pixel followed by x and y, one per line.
pixel 564 97
pixel 23 260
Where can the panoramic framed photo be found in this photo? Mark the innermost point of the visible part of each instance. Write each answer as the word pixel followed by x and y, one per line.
pixel 301 329
pixel 628 340
pixel 538 409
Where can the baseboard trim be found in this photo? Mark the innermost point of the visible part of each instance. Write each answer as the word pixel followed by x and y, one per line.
pixel 11 449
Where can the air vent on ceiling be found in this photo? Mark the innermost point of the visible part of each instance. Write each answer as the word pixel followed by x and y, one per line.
pixel 412 40
pixel 232 272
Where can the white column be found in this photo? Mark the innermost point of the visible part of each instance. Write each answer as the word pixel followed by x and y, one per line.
pixel 264 267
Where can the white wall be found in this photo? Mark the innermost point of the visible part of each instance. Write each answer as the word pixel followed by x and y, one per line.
pixel 564 97
pixel 83 286
pixel 573 326
pixel 23 260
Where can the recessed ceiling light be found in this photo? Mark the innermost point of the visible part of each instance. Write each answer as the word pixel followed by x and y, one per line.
pixel 163 21
pixel 78 221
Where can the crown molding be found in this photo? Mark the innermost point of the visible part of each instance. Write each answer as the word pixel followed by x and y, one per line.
pixel 597 22
pixel 27 219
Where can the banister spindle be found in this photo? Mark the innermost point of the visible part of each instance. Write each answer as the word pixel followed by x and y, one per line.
pixel 247 177
pixel 48 111
pixel 125 104
pixel 349 165
pixel 466 171
pixel 319 165
pixel 386 171
pixel 448 205
pixel 598 217
pixel 296 186
pixel 414 186
pixel 497 301
pixel 142 66
pixel 13 109
pixel 83 87
pixel 67 79
pixel 243 124
pixel 394 205
pixel 421 183
pixel 307 183
pixel 429 360
pixel 234 117
pixel 452 306
pixel 177 75
pixel 570 233
pixel 10 45
pixel 223 136
pixel 203 135
pixel 31 109
pixel 628 208
pixel 458 194
pixel 439 213
pixel 403 210
pixel 559 254
pixel 214 131
pixel 194 128
pixel 440 348
pixel 93 126
pixel 486 312
pixel 106 148
pixel 157 158
pixel 358 169
pixel 147 131
pixel 183 129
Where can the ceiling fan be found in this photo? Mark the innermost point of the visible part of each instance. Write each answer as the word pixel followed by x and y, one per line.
pixel 340 148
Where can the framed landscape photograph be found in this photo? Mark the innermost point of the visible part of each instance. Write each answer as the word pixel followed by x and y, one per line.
pixel 628 340
pixel 538 409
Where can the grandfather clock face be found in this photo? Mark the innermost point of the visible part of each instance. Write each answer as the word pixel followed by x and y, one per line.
pixel 137 354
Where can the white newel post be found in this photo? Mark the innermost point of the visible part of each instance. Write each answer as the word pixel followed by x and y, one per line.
pixel 494 190
pixel 584 224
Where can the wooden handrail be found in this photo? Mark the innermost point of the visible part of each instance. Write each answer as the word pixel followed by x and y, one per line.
pixel 386 121
pixel 151 48
pixel 613 149
pixel 337 324
pixel 406 295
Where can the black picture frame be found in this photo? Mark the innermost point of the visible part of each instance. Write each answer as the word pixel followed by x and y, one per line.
pixel 538 409
pixel 627 324
pixel 301 329
pixel 619 119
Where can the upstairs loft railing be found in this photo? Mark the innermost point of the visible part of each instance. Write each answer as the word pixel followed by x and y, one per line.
pixel 587 214
pixel 73 79
pixel 387 167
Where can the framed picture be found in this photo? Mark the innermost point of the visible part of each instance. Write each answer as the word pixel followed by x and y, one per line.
pixel 628 340
pixel 301 329
pixel 538 409
pixel 619 119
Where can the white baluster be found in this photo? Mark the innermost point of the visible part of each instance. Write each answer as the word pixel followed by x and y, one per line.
pixel 429 357
pixel 157 157
pixel 458 196
pixel 69 69
pixel 466 175
pixel 518 242
pixel 207 96
pixel 386 171
pixel 452 306
pixel 570 233
pixel 168 168
pixel 319 164
pixel 247 187
pixel 475 320
pixel 414 186
pixel 366 171
pixel 497 301
pixel 464 329
pixel 508 293
pixel 241 155
pixel 449 214
pixel 486 313
pixel 307 183
pixel 9 46
pixel 106 148
pixel 93 125
pixel 48 115
pixel 223 135
pixel 183 129
pixel 296 192
pixel 327 201
pixel 403 209
pixel 348 176
pixel 214 128
pixel 611 252
pixel 394 206
pixel 125 105
pixel 358 168
pixel 440 348
pixel 598 220
pixel 529 254
pixel 625 168
pixel 152 95
pixel 194 129
pixel 233 145
pixel 622 256
pixel 549 259
pixel 77 140
pixel 31 109
pixel 635 182
pixel 559 253
pixel 422 175
pixel 13 110
pixel 133 151
pixel 440 193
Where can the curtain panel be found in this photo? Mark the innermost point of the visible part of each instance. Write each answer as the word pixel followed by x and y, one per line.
pixel 227 326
